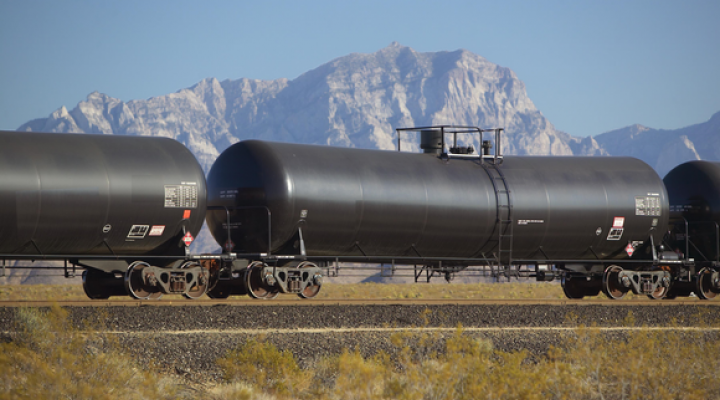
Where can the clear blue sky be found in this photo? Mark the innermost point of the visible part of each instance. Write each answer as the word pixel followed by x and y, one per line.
pixel 589 66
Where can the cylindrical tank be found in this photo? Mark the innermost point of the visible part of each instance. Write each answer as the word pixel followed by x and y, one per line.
pixel 694 191
pixel 694 195
pixel 75 194
pixel 352 202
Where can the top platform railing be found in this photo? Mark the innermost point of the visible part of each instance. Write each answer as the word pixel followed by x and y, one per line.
pixel 454 151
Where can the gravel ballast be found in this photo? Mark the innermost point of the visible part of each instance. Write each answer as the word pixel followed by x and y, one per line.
pixel 188 339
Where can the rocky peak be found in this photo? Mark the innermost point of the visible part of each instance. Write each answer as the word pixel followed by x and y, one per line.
pixel 211 93
pixel 715 120
pixel 664 149
pixel 356 100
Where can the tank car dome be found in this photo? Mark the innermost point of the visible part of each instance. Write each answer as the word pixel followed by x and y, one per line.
pixel 694 191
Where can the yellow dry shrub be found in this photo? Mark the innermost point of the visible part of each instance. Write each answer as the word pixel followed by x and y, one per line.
pixel 469 368
pixel 234 391
pixel 647 363
pixel 359 378
pixel 48 358
pixel 593 363
pixel 262 365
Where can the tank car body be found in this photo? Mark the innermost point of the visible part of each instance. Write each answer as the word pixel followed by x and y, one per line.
pixel 694 195
pixel 71 194
pixel 382 204
pixel 100 200
pixel 443 211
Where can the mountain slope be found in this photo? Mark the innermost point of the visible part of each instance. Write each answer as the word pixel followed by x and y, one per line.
pixel 357 101
pixel 664 149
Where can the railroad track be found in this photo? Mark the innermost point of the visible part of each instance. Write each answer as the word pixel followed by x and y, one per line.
pixel 293 301
pixel 279 315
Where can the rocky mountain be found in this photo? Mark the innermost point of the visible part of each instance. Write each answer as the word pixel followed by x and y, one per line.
pixel 356 101
pixel 664 149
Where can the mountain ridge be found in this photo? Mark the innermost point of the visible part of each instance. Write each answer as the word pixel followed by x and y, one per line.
pixel 663 149
pixel 359 99
pixel 355 100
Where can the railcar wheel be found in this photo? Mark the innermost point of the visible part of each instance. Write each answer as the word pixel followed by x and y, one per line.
pixel 593 291
pixel 135 285
pixel 705 284
pixel 220 291
pixel 660 293
pixel 611 285
pixel 93 289
pixel 256 286
pixel 572 289
pixel 201 285
pixel 678 289
pixel 312 289
pixel 579 287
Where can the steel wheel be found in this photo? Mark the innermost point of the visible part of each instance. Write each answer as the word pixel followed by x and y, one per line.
pixel 201 284
pixel 611 285
pixel 220 291
pixel 660 293
pixel 678 289
pixel 571 288
pixel 135 285
pixel 704 284
pixel 256 286
pixel 593 291
pixel 93 289
pixel 312 289
pixel 272 294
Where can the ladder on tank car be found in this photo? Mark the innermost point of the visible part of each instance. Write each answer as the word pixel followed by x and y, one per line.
pixel 504 238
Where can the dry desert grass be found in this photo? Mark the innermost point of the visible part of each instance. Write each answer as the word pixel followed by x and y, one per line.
pixel 48 358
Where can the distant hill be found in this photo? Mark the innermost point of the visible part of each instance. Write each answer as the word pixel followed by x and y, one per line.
pixel 664 149
pixel 356 100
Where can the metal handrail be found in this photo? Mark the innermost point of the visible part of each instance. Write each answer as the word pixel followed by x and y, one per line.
pixel 455 130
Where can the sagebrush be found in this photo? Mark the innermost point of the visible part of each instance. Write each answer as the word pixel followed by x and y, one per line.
pixel 47 356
